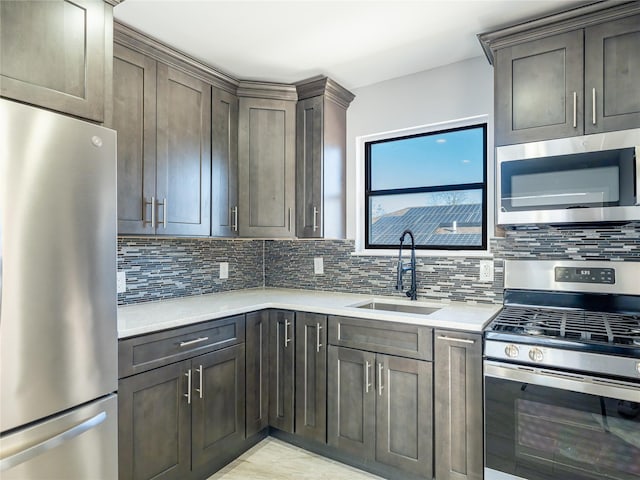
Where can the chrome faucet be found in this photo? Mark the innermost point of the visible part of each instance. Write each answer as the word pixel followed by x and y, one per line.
pixel 412 293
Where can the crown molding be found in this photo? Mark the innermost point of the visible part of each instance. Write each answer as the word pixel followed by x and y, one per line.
pixel 322 85
pixel 274 91
pixel 583 16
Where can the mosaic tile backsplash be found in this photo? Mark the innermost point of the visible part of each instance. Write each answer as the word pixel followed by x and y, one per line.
pixel 158 268
pixel 167 268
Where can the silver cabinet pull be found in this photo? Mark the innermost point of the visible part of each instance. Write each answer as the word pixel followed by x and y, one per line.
pixel 315 219
pixel 164 211
pixel 575 109
pixel 188 394
pixel 200 390
pixel 153 211
pixel 453 339
pixel 593 101
pixel 380 375
pixel 289 218
pixel 318 344
pixel 638 175
pixel 367 385
pixel 39 448
pixel 234 227
pixel 191 342
pixel 287 323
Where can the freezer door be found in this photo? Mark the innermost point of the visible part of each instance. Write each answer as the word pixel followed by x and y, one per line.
pixel 58 333
pixel 78 445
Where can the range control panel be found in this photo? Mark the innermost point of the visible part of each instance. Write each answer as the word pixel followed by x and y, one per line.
pixel 585 275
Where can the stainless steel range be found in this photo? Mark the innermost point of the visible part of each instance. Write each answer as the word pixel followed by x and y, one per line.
pixel 562 373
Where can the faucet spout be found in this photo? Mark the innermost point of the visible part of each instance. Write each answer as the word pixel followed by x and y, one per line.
pixel 412 293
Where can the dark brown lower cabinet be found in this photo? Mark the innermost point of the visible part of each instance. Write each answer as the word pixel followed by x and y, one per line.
pixel 182 416
pixel 311 376
pixel 458 405
pixel 380 408
pixel 154 433
pixel 218 400
pixel 281 369
pixel 257 346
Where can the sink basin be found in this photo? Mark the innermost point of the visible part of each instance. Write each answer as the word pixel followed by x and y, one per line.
pixel 398 307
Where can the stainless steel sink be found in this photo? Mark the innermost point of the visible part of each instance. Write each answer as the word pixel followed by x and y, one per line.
pixel 398 307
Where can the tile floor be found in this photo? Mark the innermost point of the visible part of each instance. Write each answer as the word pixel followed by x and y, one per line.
pixel 273 459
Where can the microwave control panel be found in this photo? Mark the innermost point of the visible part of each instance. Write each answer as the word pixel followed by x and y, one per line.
pixel 585 275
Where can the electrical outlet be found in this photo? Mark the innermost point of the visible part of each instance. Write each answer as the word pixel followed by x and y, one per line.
pixel 486 270
pixel 318 266
pixel 224 270
pixel 121 282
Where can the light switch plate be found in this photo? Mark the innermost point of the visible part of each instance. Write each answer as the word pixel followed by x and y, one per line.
pixel 121 282
pixel 318 266
pixel 224 270
pixel 486 270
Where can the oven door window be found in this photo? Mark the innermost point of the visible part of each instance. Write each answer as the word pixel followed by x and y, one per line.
pixel 538 432
pixel 585 180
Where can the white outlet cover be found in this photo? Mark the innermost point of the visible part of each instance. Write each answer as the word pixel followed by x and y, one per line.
pixel 121 282
pixel 318 266
pixel 486 270
pixel 224 270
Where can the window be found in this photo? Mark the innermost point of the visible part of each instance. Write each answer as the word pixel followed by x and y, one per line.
pixel 434 184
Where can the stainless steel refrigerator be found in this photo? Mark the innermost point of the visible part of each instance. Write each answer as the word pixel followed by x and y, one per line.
pixel 58 332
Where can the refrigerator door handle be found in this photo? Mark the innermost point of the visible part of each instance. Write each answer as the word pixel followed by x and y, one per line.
pixel 53 442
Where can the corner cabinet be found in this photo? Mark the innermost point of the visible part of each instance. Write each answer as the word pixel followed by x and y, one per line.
pixel 267 160
pixel 57 55
pixel 163 119
pixel 458 406
pixel 281 369
pixel 567 75
pixel 321 158
pixel 257 389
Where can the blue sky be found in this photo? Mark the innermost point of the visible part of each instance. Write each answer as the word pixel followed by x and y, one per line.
pixel 440 159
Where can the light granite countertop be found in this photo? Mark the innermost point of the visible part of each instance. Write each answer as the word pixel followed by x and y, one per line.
pixel 150 317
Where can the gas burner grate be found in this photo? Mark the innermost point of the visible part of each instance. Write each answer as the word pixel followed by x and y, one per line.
pixel 579 325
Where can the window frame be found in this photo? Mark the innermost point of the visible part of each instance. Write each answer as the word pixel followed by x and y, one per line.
pixel 483 186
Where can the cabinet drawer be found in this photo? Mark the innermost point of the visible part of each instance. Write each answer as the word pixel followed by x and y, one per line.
pixel 402 339
pixel 145 352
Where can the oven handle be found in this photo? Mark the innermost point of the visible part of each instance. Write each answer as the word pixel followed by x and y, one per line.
pixel 564 381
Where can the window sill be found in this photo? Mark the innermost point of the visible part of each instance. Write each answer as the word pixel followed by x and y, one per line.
pixel 406 251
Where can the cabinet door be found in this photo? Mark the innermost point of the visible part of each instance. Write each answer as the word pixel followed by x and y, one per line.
pixel 309 158
pixel 154 418
pixel 351 401
pixel 52 54
pixel 311 376
pixel 224 163
pixel 257 371
pixel 218 422
pixel 538 89
pixel 612 75
pixel 266 150
pixel 404 418
pixel 134 118
pixel 183 154
pixel 458 405
pixel 281 358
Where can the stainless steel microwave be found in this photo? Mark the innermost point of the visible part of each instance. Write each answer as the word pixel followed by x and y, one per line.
pixel 592 178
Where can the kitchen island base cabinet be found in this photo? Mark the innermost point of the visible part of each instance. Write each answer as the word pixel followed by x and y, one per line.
pixel 458 406
pixel 380 409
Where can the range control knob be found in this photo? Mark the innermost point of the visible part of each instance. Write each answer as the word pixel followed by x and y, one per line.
pixel 511 351
pixel 536 355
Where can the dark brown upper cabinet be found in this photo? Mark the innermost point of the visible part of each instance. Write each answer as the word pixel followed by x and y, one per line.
pixel 56 54
pixel 321 122
pixel 566 75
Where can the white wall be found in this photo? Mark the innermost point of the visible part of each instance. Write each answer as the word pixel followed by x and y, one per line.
pixel 459 90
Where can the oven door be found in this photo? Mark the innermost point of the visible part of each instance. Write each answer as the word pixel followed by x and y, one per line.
pixel 542 424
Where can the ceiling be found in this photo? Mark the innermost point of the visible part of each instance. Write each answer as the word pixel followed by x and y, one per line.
pixel 356 43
